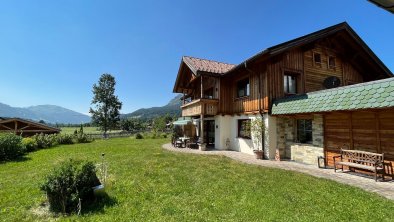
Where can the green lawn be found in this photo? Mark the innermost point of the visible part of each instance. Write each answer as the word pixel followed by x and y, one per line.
pixel 70 130
pixel 148 183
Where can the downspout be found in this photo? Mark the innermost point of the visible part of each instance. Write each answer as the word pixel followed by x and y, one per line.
pixel 260 109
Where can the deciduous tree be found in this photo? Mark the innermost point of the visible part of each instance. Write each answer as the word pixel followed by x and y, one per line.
pixel 105 112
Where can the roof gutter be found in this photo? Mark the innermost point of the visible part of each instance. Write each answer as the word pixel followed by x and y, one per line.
pixel 260 109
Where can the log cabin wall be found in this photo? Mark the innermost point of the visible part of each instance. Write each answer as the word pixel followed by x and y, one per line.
pixel 291 62
pixel 371 131
pixel 229 102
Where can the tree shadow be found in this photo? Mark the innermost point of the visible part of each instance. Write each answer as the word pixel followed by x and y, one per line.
pixel 98 205
pixel 17 159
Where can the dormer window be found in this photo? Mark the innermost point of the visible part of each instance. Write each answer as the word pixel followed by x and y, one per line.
pixel 317 58
pixel 331 62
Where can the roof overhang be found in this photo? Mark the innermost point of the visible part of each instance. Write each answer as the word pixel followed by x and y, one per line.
pixel 387 5
pixel 310 38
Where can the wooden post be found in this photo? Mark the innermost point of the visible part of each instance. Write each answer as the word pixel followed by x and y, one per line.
pixel 202 89
pixel 202 144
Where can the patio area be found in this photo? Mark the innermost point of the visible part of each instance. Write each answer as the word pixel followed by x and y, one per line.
pixel 383 188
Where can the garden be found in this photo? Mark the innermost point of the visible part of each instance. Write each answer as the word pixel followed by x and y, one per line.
pixel 146 183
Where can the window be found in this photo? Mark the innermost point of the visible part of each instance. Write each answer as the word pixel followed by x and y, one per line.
pixel 316 58
pixel 290 84
pixel 243 88
pixel 304 130
pixel 208 94
pixel 244 128
pixel 331 62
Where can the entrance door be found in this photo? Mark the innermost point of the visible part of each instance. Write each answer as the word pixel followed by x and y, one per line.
pixel 209 130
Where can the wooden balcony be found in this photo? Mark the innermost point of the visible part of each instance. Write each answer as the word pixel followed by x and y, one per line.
pixel 200 106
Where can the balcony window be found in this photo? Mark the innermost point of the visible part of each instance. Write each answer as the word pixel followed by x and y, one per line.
pixel 243 88
pixel 208 94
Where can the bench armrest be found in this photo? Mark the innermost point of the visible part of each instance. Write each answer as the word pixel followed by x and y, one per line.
pixel 379 163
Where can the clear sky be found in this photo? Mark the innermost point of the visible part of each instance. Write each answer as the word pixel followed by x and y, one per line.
pixel 52 52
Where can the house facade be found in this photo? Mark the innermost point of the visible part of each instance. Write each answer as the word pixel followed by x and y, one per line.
pixel 309 91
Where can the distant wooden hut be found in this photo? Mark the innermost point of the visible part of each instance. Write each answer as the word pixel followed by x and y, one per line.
pixel 25 127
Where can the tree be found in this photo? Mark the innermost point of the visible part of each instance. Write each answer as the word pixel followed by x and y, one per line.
pixel 106 105
pixel 257 128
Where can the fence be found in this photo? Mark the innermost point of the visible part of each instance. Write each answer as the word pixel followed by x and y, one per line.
pixel 119 134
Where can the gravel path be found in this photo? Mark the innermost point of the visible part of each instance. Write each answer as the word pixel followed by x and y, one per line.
pixel 383 188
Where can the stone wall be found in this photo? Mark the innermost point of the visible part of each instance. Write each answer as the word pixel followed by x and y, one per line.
pixel 304 153
pixel 290 149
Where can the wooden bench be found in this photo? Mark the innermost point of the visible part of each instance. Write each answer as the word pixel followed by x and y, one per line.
pixel 361 160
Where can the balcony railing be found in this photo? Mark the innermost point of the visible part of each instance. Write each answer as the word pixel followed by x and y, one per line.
pixel 200 106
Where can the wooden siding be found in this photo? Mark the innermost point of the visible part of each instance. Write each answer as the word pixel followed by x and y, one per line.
pixel 230 104
pixel 371 131
pixel 288 62
pixel 316 73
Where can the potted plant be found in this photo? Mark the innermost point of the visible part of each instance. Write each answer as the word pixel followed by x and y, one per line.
pixel 257 127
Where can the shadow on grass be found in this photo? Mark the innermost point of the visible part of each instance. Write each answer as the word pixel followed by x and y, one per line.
pixel 17 159
pixel 99 204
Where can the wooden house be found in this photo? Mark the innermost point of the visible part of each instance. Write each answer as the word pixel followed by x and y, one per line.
pixel 316 93
pixel 24 127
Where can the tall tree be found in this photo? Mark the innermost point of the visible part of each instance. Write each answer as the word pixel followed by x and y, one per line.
pixel 106 105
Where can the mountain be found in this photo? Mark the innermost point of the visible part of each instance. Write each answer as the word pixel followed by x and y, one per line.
pixel 172 108
pixel 48 113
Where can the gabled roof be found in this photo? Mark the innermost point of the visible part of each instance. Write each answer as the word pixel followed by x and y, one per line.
pixel 29 122
pixel 198 66
pixel 309 38
pixel 204 65
pixel 374 94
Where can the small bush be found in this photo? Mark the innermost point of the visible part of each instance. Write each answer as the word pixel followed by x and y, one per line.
pixel 83 138
pixel 65 139
pixel 44 140
pixel 30 144
pixel 164 135
pixel 11 146
pixel 68 183
pixel 139 136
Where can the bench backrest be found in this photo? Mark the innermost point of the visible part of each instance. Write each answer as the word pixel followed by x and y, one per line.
pixel 362 156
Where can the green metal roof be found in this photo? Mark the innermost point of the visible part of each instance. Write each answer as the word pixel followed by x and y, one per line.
pixel 375 94
pixel 183 121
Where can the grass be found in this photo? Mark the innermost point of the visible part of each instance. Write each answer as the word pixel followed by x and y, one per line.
pixel 70 130
pixel 147 183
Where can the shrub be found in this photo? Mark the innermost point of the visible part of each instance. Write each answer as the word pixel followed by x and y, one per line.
pixel 45 141
pixel 65 139
pixel 11 146
pixel 83 138
pixel 68 183
pixel 139 136
pixel 164 135
pixel 30 144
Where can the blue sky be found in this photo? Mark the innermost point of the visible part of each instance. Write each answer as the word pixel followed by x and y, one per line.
pixel 52 52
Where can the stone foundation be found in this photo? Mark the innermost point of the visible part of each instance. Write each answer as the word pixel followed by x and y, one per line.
pixel 305 153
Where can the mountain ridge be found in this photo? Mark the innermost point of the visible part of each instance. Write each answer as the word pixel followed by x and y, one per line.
pixel 47 113
pixel 172 108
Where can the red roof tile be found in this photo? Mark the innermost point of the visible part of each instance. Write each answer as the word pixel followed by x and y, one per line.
pixel 205 65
